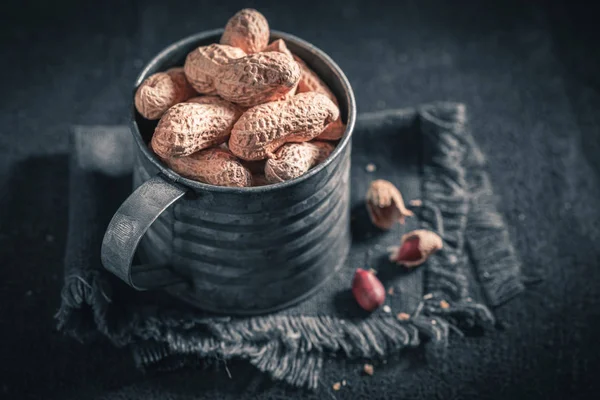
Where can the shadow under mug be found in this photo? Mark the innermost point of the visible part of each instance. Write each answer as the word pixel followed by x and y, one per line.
pixel 234 250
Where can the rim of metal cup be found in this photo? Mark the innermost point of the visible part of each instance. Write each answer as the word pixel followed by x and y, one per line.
pixel 347 92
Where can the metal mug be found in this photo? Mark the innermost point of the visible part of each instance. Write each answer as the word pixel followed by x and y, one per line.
pixel 234 250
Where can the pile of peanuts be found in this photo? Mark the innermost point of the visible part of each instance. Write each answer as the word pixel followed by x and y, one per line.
pixel 262 116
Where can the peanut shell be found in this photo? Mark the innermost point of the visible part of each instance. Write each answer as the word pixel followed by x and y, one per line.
pixel 161 91
pixel 247 29
pixel 333 131
pixel 310 81
pixel 257 78
pixel 213 166
pixel 428 243
pixel 385 204
pixel 189 127
pixel 280 47
pixel 263 129
pixel 294 159
pixel 184 87
pixel 217 101
pixel 202 65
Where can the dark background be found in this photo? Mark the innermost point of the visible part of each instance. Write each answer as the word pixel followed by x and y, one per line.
pixel 528 72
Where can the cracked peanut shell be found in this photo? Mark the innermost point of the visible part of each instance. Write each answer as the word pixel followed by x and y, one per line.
pixel 248 29
pixel 189 127
pixel 385 204
pixel 261 130
pixel 416 247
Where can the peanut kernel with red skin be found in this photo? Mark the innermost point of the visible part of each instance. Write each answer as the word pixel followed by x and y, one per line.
pixel 416 247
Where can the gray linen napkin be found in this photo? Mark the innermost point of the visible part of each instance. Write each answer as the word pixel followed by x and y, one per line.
pixel 428 152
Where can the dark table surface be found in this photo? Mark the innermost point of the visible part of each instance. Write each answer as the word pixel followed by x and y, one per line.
pixel 527 72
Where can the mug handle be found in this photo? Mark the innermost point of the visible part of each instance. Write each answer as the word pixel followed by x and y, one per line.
pixel 128 226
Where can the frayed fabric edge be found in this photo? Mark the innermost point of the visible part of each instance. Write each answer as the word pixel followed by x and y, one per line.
pixel 287 348
pixel 445 191
pixel 293 348
pixel 84 295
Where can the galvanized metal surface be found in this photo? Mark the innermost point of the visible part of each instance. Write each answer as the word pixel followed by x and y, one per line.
pixel 234 250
